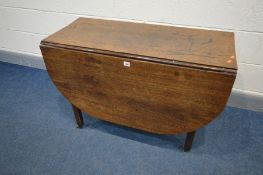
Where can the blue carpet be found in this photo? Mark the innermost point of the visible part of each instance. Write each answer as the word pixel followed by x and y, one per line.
pixel 38 136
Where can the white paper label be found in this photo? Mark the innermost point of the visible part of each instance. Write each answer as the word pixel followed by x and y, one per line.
pixel 126 63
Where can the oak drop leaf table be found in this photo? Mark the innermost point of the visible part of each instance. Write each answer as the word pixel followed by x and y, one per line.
pixel 160 79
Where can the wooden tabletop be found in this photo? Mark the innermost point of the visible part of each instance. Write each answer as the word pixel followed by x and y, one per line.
pixel 204 48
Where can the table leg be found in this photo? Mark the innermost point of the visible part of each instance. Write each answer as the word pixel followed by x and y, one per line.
pixel 78 116
pixel 188 141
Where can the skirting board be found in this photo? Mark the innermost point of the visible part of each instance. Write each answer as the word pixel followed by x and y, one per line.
pixel 239 98
pixel 21 58
pixel 246 100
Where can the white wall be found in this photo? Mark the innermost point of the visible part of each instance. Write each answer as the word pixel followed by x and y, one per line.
pixel 24 23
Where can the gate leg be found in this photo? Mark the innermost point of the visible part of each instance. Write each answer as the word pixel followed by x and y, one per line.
pixel 78 116
pixel 188 141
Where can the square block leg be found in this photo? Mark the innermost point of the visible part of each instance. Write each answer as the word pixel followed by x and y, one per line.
pixel 188 141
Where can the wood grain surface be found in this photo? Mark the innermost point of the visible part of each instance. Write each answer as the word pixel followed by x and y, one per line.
pixel 154 97
pixel 212 50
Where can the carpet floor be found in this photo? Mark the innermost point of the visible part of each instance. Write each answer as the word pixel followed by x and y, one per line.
pixel 38 136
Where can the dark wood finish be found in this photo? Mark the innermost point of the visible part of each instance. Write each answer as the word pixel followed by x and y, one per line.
pixel 213 49
pixel 189 141
pixel 78 116
pixel 154 97
pixel 160 79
